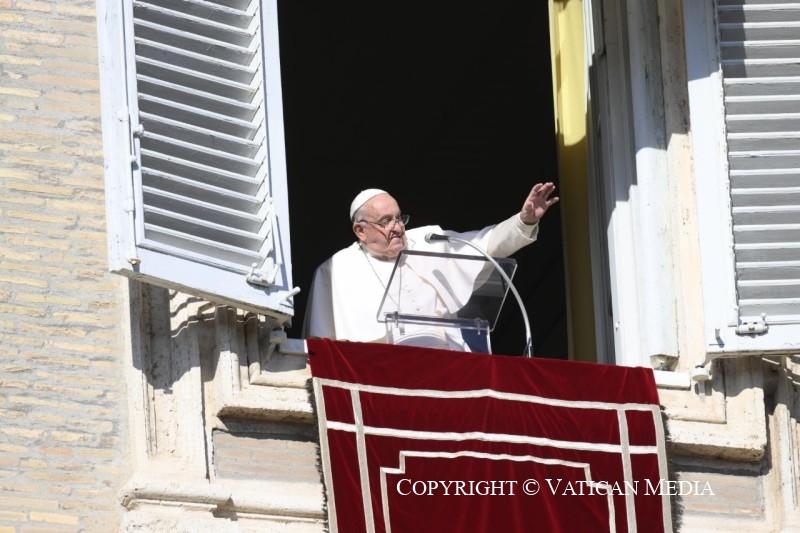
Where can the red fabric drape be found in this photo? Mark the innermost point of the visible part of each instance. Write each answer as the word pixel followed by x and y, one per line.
pixel 417 439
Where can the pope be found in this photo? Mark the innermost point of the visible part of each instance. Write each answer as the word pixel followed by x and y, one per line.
pixel 347 289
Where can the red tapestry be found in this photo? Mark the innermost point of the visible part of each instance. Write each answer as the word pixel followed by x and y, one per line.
pixel 418 439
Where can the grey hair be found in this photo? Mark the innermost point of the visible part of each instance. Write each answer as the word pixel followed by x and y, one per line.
pixel 359 213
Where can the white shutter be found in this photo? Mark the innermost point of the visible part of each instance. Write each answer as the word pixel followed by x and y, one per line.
pixel 759 46
pixel 193 134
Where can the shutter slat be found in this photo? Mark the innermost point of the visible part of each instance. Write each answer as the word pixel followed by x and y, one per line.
pixel 766 233
pixel 771 31
pixel 151 32
pixel 191 98
pixel 789 196
pixel 776 310
pixel 772 15
pixel 762 290
pixel 772 86
pixel 733 51
pixel 192 170
pixel 208 66
pixel 766 123
pixel 207 230
pixel 197 190
pixel 247 5
pixel 240 35
pixel 754 216
pixel 207 10
pixel 747 106
pixel 771 270
pixel 739 3
pixel 760 69
pixel 200 154
pixel 765 159
pixel 206 138
pixel 228 125
pixel 251 220
pixel 201 250
pixel 196 80
pixel 760 178
pixel 770 141
pixel 768 252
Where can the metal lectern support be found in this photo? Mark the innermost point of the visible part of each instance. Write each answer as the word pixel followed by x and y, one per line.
pixel 529 341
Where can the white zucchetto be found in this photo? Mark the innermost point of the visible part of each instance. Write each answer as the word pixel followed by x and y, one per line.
pixel 362 198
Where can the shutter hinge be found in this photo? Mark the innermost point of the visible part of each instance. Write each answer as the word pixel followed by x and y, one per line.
pixel 756 327
pixel 258 276
pixel 129 206
pixel 123 115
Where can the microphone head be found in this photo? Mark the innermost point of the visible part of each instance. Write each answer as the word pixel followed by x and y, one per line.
pixel 435 237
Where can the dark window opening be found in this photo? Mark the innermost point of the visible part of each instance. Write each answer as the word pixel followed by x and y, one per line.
pixel 448 106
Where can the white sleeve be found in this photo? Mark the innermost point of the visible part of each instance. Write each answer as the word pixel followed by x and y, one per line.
pixel 510 235
pixel 498 240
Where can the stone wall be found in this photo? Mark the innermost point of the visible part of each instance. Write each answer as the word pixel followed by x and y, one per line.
pixel 76 439
pixel 64 438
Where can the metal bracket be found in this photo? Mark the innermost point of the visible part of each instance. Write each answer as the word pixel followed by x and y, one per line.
pixel 257 276
pixel 276 337
pixel 758 327
pixel 291 294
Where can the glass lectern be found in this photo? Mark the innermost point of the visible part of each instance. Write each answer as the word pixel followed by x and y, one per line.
pixel 456 294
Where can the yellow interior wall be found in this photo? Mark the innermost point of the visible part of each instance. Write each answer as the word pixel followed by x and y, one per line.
pixel 567 50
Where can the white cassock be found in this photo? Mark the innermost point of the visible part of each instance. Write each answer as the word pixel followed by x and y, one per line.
pixel 348 288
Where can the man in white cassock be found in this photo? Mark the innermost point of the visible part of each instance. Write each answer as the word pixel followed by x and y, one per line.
pixel 348 288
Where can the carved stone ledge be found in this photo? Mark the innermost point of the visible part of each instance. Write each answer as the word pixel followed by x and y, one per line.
pixel 288 499
pixel 285 404
pixel 725 418
pixel 155 503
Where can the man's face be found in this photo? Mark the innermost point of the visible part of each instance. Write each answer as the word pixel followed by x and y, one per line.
pixel 387 241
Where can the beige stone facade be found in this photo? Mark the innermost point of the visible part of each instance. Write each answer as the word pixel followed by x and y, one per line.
pixel 128 407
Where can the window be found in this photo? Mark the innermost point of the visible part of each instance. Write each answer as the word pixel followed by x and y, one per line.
pixel 747 174
pixel 194 150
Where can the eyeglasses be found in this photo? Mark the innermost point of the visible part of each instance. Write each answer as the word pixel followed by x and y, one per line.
pixel 391 223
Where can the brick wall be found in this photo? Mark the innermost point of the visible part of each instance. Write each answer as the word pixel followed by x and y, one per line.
pixel 272 452
pixel 716 490
pixel 63 444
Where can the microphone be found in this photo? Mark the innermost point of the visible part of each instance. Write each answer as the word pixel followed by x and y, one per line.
pixel 529 340
pixel 436 237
